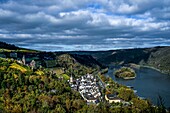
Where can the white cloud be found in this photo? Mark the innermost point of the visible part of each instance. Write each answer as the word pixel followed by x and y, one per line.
pixel 6 13
pixel 40 17
pixel 85 22
pixel 3 36
pixel 126 8
pixel 23 35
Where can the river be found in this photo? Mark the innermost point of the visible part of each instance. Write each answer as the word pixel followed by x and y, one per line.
pixel 149 83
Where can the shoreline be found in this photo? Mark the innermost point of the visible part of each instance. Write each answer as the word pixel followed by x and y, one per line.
pixel 128 78
pixel 137 66
pixel 150 67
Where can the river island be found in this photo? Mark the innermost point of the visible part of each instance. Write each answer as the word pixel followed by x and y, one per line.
pixel 125 73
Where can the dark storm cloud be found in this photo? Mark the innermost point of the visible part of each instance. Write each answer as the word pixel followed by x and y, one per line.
pixel 85 25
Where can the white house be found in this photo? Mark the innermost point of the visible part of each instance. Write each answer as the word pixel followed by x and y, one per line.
pixel 112 98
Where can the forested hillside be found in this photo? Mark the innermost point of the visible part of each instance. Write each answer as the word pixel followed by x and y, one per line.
pixel 25 90
pixel 8 46
pixel 159 59
pixel 156 57
pixel 77 65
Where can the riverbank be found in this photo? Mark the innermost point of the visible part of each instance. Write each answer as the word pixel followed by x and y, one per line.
pixel 150 67
pixel 136 66
pixel 129 78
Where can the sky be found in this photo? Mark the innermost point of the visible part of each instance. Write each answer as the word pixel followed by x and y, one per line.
pixel 85 25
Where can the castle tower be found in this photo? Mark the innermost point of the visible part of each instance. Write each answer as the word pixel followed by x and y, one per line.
pixel 32 64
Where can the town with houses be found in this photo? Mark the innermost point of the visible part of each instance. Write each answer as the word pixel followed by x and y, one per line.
pixel 90 87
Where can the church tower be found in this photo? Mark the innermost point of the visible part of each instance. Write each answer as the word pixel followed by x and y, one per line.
pixel 23 59
pixel 71 79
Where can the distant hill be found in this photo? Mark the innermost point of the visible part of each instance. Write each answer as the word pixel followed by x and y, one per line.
pixel 87 60
pixel 4 45
pixel 157 57
pixel 160 59
pixel 12 48
pixel 51 59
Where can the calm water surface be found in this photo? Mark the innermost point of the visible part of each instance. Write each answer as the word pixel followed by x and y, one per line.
pixel 149 84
